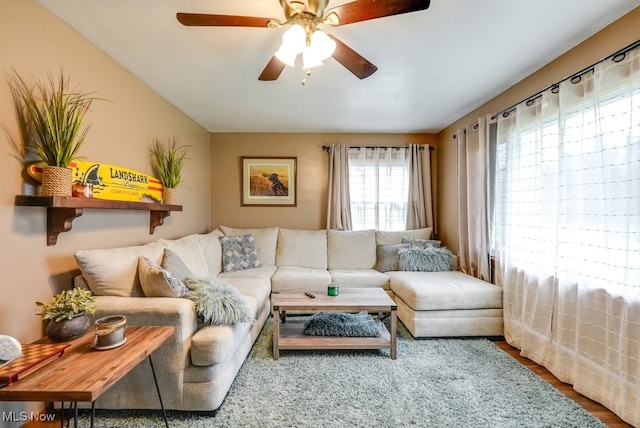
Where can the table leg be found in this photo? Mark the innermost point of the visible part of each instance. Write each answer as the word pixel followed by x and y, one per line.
pixel 394 329
pixel 155 380
pixel 276 333
pixel 75 414
pixel 93 412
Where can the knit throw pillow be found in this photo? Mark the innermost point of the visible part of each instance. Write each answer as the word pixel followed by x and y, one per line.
pixel 217 302
pixel 430 259
pixel 239 253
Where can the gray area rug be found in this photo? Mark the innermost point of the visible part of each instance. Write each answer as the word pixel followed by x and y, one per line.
pixel 433 383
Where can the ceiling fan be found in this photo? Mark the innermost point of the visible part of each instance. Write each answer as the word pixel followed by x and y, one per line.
pixel 303 36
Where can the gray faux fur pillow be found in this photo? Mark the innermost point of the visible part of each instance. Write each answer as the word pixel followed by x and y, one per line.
pixel 431 259
pixel 218 302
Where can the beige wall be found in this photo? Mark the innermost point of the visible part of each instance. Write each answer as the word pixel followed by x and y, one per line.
pixel 310 213
pixel 614 37
pixel 33 41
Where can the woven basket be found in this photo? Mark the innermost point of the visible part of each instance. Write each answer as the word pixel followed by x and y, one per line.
pixel 168 196
pixel 56 181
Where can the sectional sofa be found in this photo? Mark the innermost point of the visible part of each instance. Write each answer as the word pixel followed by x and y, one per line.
pixel 197 366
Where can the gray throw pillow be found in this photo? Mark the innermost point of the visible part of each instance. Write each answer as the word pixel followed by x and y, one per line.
pixel 423 243
pixel 159 282
pixel 174 264
pixel 432 259
pixel 217 302
pixel 387 258
pixel 239 253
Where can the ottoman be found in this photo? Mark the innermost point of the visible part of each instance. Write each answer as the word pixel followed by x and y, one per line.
pixel 447 304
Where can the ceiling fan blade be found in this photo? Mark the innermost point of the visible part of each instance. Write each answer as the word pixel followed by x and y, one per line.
pixel 352 60
pixel 273 70
pixel 363 10
pixel 204 20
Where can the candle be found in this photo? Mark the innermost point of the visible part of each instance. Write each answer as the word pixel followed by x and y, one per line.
pixel 333 289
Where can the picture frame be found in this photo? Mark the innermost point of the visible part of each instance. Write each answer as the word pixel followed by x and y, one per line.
pixel 269 181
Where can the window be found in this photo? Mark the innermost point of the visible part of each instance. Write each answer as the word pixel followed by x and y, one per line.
pixel 379 188
pixel 567 195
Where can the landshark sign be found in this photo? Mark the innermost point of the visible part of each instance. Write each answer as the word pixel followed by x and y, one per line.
pixel 103 181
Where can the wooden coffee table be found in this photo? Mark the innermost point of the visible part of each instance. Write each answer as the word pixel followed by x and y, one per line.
pixel 289 334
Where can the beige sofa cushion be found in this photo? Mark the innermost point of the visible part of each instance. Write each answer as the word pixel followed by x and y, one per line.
pixel 212 250
pixel 302 248
pixel 114 272
pixel 189 250
pixel 215 344
pixel 266 241
pixel 359 278
pixel 395 237
pixel 427 291
pixel 351 249
pixel 300 278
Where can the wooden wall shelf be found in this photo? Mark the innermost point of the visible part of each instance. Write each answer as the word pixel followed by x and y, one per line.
pixel 62 210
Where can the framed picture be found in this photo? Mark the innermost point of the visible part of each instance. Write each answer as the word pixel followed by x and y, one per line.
pixel 269 181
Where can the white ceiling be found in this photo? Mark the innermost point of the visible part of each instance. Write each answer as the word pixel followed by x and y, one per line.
pixel 434 66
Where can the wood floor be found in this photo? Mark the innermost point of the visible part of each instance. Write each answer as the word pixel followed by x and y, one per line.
pixel 596 409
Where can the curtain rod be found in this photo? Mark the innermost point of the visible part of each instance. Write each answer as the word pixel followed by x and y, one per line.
pixel 327 148
pixel 617 57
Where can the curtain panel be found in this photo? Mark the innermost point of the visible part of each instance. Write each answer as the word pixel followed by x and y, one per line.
pixel 473 227
pixel 420 210
pixel 566 231
pixel 338 200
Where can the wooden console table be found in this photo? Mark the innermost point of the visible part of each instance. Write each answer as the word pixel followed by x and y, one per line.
pixel 83 374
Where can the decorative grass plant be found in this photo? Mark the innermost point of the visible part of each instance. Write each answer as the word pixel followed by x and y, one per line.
pixel 54 112
pixel 167 159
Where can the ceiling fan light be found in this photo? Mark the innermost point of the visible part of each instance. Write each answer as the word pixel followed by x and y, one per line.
pixel 286 57
pixel 322 45
pixel 294 39
pixel 310 59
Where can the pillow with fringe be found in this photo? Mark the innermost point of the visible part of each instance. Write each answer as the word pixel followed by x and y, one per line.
pixel 218 302
pixel 431 259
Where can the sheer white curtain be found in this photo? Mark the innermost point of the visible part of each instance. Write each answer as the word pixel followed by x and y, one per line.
pixel 378 187
pixel 566 231
pixel 338 200
pixel 473 225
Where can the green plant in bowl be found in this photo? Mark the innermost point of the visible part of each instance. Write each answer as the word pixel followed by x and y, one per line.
pixel 67 304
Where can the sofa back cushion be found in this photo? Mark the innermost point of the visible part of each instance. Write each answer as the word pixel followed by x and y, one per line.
pixel 114 272
pixel 351 249
pixel 392 237
pixel 212 250
pixel 303 248
pixel 189 250
pixel 266 240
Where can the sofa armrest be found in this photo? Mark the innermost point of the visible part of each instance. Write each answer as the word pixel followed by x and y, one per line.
pixel 177 312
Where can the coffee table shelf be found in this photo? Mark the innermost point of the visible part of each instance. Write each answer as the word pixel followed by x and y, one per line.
pixel 292 337
pixel 289 334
